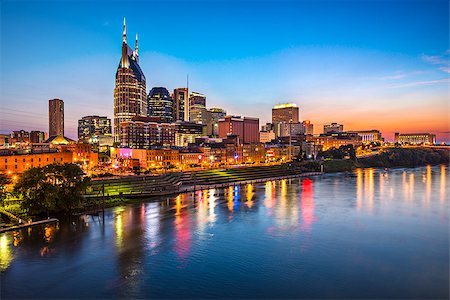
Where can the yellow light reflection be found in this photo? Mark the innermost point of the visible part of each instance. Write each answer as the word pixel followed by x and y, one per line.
pixel 359 188
pixel 382 183
pixel 178 205
pixel 270 194
pixel 411 185
pixel 370 192
pixel 202 213
pixel 119 227
pixel 5 252
pixel 249 195
pixel 428 184
pixel 17 238
pixel 211 205
pixel 442 185
pixel 49 232
pixel 230 203
pixel 405 186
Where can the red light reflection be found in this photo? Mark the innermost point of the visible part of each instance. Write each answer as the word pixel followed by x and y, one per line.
pixel 307 204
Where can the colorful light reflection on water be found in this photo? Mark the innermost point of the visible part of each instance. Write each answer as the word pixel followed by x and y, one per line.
pixel 371 234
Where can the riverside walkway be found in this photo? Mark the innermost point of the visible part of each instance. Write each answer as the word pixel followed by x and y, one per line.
pixel 181 182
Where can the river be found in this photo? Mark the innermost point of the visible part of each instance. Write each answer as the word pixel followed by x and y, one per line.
pixel 370 234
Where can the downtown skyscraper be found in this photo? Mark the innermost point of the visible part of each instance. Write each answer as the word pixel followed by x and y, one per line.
pixel 55 117
pixel 130 96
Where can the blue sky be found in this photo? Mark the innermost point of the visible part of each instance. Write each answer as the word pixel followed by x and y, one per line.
pixel 367 64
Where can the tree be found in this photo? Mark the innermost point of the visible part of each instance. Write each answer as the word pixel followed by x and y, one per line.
pixel 52 188
pixel 4 181
pixel 36 192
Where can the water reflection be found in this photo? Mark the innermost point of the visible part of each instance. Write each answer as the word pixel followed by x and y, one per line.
pixel 307 204
pixel 5 252
pixel 249 195
pixel 182 232
pixel 443 183
pixel 428 184
pixel 186 241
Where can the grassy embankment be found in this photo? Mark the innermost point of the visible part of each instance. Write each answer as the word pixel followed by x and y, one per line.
pixel 391 158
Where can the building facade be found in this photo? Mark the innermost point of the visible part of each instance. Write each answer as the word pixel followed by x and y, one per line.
pixel 20 137
pixel 160 105
pixel 337 139
pixel 181 101
pixel 55 117
pixel 288 129
pixel 93 125
pixel 130 96
pixel 285 113
pixel 333 127
pixel 186 132
pixel 415 138
pixel 37 136
pixel 266 136
pixel 216 115
pixel 247 129
pixel 308 127
pixel 142 135
pixel 21 162
pixel 368 136
pixel 197 99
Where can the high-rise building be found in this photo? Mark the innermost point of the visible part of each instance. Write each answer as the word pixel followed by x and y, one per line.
pixel 216 115
pixel 181 103
pixel 197 99
pixel 160 105
pixel 247 129
pixel 55 117
pixel 93 125
pixel 130 96
pixel 285 113
pixel 333 127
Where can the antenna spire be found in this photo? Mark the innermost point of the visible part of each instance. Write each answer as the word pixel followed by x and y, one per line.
pixel 137 45
pixel 124 30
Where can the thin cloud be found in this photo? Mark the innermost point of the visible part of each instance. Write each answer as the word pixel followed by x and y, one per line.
pixel 435 59
pixel 422 83
pixel 443 61
pixel 393 77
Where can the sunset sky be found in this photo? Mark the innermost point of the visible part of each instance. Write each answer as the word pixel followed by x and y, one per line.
pixel 367 64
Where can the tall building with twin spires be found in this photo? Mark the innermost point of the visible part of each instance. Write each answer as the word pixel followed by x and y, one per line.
pixel 130 95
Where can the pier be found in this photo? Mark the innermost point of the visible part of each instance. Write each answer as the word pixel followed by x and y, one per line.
pixel 25 225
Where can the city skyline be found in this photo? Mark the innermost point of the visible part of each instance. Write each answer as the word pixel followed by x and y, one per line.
pixel 345 79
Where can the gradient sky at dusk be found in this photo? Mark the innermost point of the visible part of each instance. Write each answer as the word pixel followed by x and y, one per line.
pixel 368 64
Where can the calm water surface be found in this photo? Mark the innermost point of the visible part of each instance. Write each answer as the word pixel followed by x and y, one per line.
pixel 373 234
